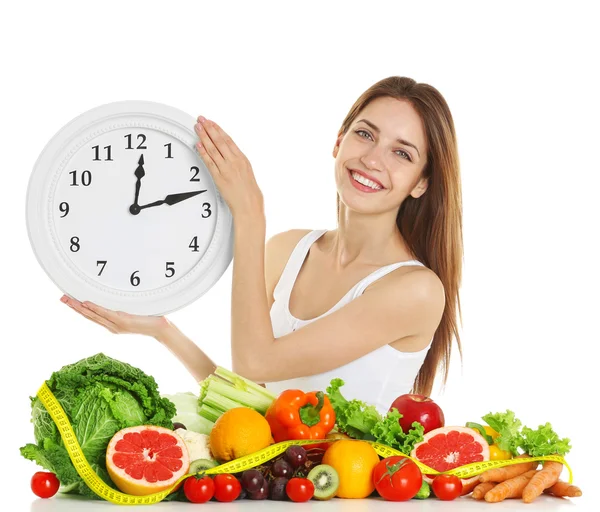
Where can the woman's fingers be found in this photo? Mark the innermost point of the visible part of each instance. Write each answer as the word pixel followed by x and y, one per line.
pixel 209 145
pixel 222 141
pixel 83 311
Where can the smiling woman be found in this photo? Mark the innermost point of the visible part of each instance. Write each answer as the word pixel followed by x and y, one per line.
pixel 374 301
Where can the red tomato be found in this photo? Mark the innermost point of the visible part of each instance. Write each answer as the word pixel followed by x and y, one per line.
pixel 446 487
pixel 199 490
pixel 227 488
pixel 300 489
pixel 397 478
pixel 44 484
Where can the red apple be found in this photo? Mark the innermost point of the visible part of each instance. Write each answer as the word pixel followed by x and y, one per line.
pixel 418 408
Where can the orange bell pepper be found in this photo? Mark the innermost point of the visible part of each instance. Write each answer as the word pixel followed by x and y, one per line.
pixel 298 415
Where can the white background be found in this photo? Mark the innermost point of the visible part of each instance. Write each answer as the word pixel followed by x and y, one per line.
pixel 521 81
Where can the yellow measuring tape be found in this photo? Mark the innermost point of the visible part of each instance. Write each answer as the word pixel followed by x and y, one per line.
pixel 96 484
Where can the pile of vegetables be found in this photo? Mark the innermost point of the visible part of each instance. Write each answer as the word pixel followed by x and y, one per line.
pixel 102 396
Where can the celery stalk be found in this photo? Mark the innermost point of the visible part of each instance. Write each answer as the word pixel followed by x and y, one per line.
pixel 243 383
pixel 243 398
pixel 209 413
pixel 218 401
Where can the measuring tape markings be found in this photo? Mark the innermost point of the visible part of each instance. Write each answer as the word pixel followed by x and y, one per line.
pixel 98 486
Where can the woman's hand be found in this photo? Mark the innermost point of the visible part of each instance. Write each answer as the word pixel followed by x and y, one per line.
pixel 230 169
pixel 119 322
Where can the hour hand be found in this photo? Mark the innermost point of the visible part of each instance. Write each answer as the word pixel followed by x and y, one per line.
pixel 172 199
pixel 139 174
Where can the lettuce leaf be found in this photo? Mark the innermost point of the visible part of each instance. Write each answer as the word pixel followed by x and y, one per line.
pixel 542 441
pixel 353 417
pixel 389 432
pixel 507 425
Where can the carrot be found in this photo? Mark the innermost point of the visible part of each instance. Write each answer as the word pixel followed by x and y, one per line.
pixel 545 478
pixel 506 472
pixel 511 488
pixel 481 489
pixel 561 489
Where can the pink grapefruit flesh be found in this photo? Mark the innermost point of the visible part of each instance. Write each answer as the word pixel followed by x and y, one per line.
pixel 146 459
pixel 447 448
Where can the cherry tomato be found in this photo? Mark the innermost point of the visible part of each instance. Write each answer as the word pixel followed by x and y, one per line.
pixel 44 484
pixel 199 490
pixel 446 487
pixel 300 489
pixel 397 478
pixel 227 488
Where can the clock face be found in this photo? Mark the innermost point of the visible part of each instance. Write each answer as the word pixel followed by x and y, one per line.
pixel 122 211
pixel 127 244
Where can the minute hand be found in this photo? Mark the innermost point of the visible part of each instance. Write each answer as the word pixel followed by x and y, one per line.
pixel 172 199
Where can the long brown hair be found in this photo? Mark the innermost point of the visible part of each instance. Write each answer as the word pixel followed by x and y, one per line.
pixel 431 225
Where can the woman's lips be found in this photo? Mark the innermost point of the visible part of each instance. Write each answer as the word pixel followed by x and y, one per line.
pixel 360 186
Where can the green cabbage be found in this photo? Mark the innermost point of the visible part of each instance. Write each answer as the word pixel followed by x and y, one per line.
pixel 100 396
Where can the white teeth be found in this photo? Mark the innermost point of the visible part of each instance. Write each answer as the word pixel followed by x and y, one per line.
pixel 365 181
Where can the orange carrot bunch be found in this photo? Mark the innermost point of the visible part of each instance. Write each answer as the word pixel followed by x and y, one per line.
pixel 523 481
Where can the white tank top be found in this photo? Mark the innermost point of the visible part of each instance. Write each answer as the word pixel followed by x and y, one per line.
pixel 376 378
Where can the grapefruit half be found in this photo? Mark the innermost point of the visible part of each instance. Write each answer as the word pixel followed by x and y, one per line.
pixel 146 459
pixel 447 448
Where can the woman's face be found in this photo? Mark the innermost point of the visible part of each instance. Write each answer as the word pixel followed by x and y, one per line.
pixel 388 168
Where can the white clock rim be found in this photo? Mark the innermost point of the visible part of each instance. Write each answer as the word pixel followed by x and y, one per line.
pixel 74 283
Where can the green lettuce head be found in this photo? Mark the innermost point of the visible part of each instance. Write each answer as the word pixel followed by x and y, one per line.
pixel 100 396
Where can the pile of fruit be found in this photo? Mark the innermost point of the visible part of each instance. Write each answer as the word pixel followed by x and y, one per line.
pixel 142 443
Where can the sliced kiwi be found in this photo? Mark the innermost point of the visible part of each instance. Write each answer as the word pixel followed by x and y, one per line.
pixel 326 481
pixel 202 465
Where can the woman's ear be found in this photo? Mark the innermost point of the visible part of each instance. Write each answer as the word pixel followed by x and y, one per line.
pixel 420 188
pixel 336 148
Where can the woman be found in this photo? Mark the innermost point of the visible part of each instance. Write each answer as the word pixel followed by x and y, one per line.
pixel 373 302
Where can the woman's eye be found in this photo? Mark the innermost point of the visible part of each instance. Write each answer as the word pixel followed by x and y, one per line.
pixel 404 153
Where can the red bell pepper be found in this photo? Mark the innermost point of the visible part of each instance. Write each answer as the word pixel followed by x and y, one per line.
pixel 298 415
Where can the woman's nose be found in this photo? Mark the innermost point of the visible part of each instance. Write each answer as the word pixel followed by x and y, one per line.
pixel 373 158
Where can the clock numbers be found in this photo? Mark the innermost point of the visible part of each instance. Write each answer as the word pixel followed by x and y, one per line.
pixel 134 280
pixel 97 153
pixel 75 244
pixel 170 269
pixel 206 210
pixel 194 244
pixel 141 146
pixel 193 178
pixel 103 263
pixel 168 146
pixel 86 178
pixel 64 207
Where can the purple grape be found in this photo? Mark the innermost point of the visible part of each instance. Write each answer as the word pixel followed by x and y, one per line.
pixel 262 493
pixel 277 491
pixel 282 468
pixel 252 480
pixel 177 425
pixel 296 456
pixel 243 495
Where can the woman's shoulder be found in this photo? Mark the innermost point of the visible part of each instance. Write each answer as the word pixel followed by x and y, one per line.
pixel 278 250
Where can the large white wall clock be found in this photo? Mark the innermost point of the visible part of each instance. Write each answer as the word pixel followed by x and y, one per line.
pixel 122 211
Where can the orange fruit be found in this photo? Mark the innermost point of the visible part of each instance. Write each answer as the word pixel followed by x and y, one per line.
pixel 146 459
pixel 239 432
pixel 354 461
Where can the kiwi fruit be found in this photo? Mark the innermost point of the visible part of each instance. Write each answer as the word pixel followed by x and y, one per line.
pixel 201 465
pixel 326 481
